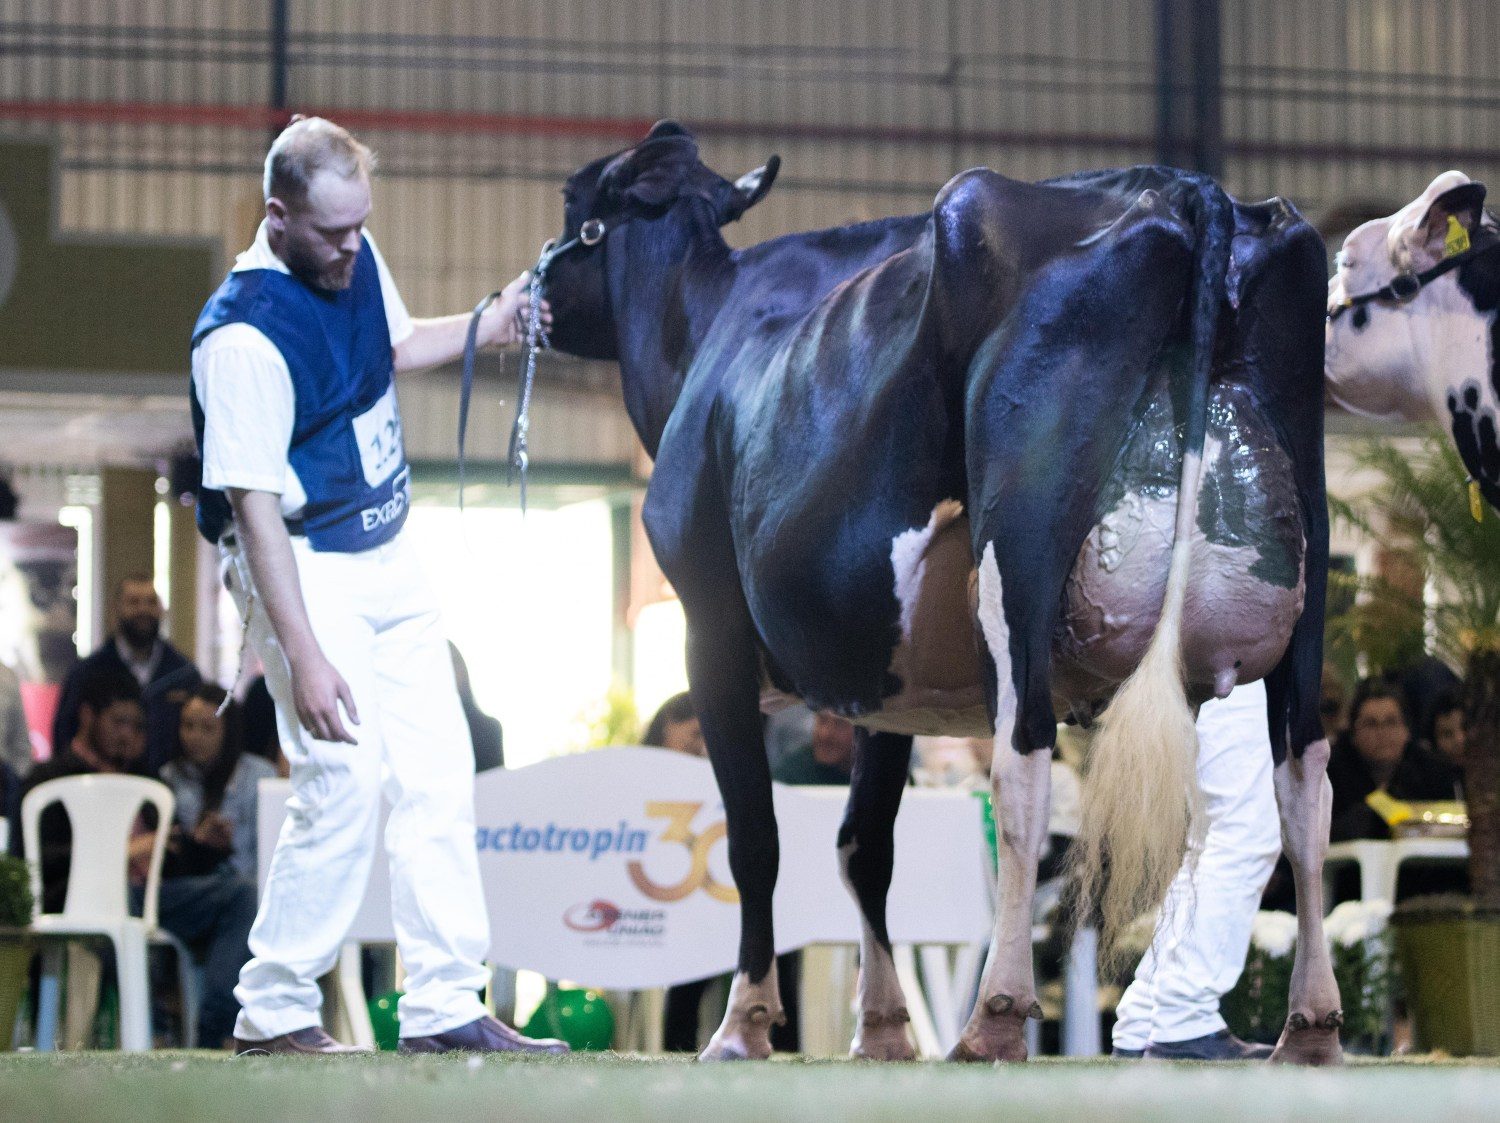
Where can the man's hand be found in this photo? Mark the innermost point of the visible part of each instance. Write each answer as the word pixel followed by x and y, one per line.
pixel 214 831
pixel 437 341
pixel 505 320
pixel 317 690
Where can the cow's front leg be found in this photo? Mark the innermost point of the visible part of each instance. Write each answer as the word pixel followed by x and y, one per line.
pixel 723 678
pixel 1020 785
pixel 866 855
pixel 1311 1035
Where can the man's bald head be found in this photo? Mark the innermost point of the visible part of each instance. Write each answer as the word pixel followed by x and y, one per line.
pixel 307 146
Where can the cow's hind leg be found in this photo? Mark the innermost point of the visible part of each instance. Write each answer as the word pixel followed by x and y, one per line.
pixel 723 679
pixel 866 854
pixel 1311 1035
pixel 1021 788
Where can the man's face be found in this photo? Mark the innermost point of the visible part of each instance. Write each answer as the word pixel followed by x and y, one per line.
pixel 138 613
pixel 119 733
pixel 319 238
pixel 833 741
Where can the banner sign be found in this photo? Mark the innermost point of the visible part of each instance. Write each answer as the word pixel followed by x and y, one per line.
pixel 610 868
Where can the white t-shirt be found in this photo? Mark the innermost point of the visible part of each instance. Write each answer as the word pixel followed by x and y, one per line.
pixel 245 389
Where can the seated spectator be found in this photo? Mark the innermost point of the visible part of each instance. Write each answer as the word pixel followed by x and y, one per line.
pixel 215 782
pixel 111 737
pixel 675 726
pixel 827 759
pixel 484 731
pixel 212 911
pixel 1377 753
pixel 10 808
pixel 1445 741
pixel 164 674
pixel 1422 683
pixel 15 737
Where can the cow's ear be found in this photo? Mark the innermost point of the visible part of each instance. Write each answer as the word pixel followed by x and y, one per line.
pixel 666 127
pixel 750 189
pixel 652 173
pixel 1450 219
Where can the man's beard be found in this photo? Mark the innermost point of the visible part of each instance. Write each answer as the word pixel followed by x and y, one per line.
pixel 309 269
pixel 140 631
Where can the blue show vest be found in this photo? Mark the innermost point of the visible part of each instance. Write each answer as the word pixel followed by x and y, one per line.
pixel 346 434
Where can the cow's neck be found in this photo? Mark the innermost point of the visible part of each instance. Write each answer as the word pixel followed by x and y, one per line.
pixel 665 288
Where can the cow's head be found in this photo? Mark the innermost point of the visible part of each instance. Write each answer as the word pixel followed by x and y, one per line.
pixel 1412 351
pixel 655 179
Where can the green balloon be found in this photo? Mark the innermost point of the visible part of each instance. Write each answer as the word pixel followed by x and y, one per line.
pixel 580 1017
pixel 383 1020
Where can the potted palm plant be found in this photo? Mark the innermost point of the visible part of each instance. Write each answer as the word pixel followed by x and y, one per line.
pixel 1449 947
pixel 15 954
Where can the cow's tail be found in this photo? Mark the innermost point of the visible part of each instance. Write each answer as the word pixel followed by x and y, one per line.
pixel 1142 807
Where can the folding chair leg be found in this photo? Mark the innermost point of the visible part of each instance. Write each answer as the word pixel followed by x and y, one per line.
pixel 190 988
pixel 351 991
pixel 49 998
pixel 135 990
pixel 85 979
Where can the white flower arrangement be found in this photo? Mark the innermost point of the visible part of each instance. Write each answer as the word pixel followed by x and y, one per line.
pixel 1274 933
pixel 1358 937
pixel 1354 922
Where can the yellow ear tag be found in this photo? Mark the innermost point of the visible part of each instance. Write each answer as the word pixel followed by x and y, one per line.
pixel 1458 238
pixel 1476 502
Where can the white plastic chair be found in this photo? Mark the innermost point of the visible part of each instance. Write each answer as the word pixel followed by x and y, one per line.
pixel 102 810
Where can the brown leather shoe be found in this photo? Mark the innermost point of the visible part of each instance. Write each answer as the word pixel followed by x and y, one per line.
pixel 483 1035
pixel 313 1039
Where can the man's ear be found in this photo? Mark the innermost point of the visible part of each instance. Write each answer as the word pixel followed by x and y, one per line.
pixel 750 189
pixel 1446 227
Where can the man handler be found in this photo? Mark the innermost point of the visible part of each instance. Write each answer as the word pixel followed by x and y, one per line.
pixel 305 490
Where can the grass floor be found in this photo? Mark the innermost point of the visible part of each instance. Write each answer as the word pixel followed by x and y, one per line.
pixel 201 1086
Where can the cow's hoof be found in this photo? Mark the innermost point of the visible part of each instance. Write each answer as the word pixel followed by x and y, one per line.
pixel 996 1031
pixel 744 1036
pixel 1308 1042
pixel 883 1037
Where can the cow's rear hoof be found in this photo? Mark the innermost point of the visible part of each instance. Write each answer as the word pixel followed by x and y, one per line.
pixel 883 1037
pixel 1307 1042
pixel 744 1036
pixel 996 1031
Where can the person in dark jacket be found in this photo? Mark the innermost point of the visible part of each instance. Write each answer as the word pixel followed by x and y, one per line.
pixel 212 911
pixel 165 675
pixel 484 731
pixel 1445 741
pixel 1377 752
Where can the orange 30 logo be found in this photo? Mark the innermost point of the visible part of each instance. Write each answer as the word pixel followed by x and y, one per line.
pixel 679 829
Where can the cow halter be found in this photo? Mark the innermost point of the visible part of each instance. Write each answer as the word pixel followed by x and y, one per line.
pixel 1404 287
pixel 591 233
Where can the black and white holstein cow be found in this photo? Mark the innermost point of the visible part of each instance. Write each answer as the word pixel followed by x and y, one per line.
pixel 968 472
pixel 1414 321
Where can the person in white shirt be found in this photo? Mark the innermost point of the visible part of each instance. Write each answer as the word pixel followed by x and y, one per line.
pixel 305 491
pixel 1171 1010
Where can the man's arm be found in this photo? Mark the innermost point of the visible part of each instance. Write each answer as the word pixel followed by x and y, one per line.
pixel 441 340
pixel 317 687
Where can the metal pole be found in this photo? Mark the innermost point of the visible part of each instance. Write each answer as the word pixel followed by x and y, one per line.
pixel 1166 101
pixel 1208 89
pixel 279 35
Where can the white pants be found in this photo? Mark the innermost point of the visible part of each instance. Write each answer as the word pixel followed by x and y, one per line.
pixel 378 624
pixel 1204 929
